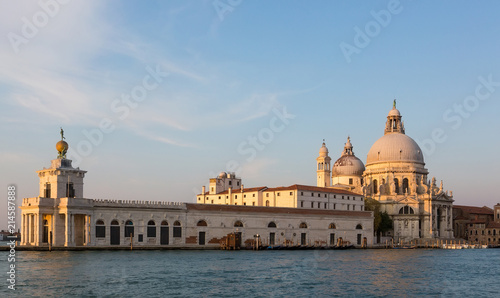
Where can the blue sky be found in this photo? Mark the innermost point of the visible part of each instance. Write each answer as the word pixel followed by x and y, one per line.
pixel 224 72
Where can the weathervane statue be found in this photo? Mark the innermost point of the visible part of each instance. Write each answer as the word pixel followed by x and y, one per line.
pixel 62 146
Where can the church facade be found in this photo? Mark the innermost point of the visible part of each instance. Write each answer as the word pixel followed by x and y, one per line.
pixel 395 175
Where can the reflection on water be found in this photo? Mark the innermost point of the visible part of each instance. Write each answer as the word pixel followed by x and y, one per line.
pixel 264 273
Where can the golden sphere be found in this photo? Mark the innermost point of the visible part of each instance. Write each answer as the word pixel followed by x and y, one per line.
pixel 62 146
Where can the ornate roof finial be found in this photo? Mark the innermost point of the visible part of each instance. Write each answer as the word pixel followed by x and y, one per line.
pixel 394 104
pixel 62 134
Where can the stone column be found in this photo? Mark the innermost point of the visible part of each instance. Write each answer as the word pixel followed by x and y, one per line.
pixel 28 228
pixel 35 229
pixel 72 233
pixel 53 229
pixel 40 228
pixel 88 230
pixel 67 227
pixel 23 230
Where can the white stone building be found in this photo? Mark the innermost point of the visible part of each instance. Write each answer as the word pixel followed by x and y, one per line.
pixel 62 217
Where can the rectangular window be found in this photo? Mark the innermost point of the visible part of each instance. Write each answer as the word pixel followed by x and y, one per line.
pixel 325 205
pixel 278 194
pixel 312 204
pixel 100 231
pixel 141 238
pixel 350 181
pixel 253 195
pixel 319 195
pixel 230 182
pixel 359 239
pixel 319 205
pixel 245 203
pixel 302 193
pixel 302 204
pixel 272 236
pixel 70 191
pixel 177 232
pixel 267 195
pixel 334 206
pixel 47 190
pixel 325 195
pixel 244 196
pixel 353 207
pixel 253 203
pixel 334 196
pixel 212 201
pixel 291 193
pixel 151 231
pixel 347 206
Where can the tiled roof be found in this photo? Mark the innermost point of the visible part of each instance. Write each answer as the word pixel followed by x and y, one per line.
pixel 474 210
pixel 313 188
pixel 297 187
pixel 276 210
pixel 493 225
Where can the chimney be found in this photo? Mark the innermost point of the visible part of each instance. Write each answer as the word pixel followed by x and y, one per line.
pixel 203 190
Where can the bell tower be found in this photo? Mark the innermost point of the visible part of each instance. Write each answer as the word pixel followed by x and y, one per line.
pixel 61 180
pixel 323 169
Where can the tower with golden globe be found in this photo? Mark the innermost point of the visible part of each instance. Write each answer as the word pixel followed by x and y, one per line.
pixel 61 180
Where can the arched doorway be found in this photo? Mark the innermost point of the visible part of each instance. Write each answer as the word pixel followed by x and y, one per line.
pixel 114 233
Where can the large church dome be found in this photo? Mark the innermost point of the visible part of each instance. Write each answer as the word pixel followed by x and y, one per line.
pixel 395 145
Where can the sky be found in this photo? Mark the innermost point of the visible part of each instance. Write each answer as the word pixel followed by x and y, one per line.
pixel 157 97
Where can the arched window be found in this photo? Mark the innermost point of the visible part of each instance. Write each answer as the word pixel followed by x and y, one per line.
pixel 332 226
pixel 151 228
pixel 114 222
pixel 359 227
pixel 100 229
pixel 238 224
pixel 201 223
pixel 164 223
pixel 177 229
pixel 406 210
pixel 129 228
pixel 271 225
pixel 375 187
pixel 396 185
pixel 405 186
pixel 267 203
pixel 303 225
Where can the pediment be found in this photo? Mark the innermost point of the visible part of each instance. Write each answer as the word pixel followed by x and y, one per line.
pixel 406 200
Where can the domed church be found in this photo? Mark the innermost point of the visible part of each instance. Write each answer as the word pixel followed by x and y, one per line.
pixel 395 175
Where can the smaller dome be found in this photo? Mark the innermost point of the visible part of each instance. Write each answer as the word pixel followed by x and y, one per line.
pixel 394 112
pixel 222 175
pixel 348 165
pixel 62 146
pixel 323 151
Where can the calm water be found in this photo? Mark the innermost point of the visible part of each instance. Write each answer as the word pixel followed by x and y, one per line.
pixel 247 273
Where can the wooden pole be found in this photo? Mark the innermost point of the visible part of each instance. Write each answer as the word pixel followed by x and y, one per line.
pixel 131 242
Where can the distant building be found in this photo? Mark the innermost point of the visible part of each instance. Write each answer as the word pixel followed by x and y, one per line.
pixel 463 216
pixel 479 225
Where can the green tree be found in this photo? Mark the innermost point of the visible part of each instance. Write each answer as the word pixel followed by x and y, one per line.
pixel 382 222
